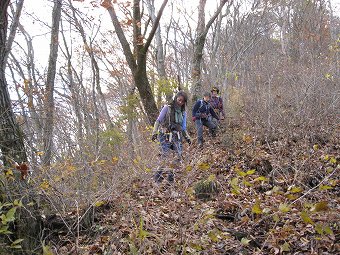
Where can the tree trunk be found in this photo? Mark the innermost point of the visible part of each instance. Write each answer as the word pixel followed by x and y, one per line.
pixel 201 34
pixel 137 61
pixel 11 138
pixel 12 149
pixel 51 72
pixel 160 55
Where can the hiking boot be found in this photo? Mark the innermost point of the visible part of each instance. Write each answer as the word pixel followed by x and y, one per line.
pixel 159 176
pixel 171 177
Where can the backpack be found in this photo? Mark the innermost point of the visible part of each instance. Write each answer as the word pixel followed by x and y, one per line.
pixel 169 122
pixel 201 104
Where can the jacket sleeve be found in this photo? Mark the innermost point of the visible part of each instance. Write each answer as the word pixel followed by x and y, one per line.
pixel 195 109
pixel 213 113
pixel 160 118
pixel 162 114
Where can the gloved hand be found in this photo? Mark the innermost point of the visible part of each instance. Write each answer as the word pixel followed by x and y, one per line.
pixel 188 140
pixel 154 137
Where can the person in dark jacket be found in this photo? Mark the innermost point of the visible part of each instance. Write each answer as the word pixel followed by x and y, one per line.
pixel 170 129
pixel 202 114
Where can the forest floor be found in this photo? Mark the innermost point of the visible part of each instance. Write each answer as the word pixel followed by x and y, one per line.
pixel 245 196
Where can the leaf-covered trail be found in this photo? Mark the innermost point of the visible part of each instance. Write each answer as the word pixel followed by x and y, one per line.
pixel 262 198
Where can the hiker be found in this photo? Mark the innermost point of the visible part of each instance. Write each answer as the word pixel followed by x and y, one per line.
pixel 170 129
pixel 202 114
pixel 217 103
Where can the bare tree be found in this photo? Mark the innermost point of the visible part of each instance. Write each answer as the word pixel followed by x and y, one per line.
pixel 201 34
pixel 136 59
pixel 51 73
pixel 160 52
pixel 11 137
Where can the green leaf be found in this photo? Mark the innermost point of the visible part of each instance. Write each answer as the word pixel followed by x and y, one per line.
pixel 256 208
pixel 211 178
pixel 328 76
pixel 3 219
pixel 4 230
pixel 241 173
pixel 142 233
pixel 305 217
pixel 325 187
pixel 10 214
pixel 47 250
pixel 249 172
pixel 245 241
pixel 321 206
pixel 133 248
pixel 99 203
pixel 295 190
pixel 291 196
pixel 285 247
pixel 261 178
pixel 328 230
pixel 204 166
pixel 235 191
pixel 319 229
pixel 17 203
pixel 234 184
pixel 246 183
pixel 276 218
pixel 332 160
pixel 197 247
pixel 213 236
pixel 284 208
pixel 17 241
pixel 18 246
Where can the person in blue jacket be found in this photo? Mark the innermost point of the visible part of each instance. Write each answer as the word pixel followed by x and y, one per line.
pixel 202 114
pixel 171 128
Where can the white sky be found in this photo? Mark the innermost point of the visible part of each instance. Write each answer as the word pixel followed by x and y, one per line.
pixel 43 9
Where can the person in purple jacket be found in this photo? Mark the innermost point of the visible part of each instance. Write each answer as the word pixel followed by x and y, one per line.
pixel 170 128
pixel 202 114
pixel 217 102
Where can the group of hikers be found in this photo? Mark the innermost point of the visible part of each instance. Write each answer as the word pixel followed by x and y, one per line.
pixel 170 128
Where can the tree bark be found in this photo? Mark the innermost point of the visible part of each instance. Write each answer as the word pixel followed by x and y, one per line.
pixel 137 61
pixel 11 138
pixel 201 34
pixel 160 54
pixel 51 72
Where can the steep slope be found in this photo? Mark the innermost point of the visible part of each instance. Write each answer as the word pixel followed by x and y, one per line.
pixel 237 195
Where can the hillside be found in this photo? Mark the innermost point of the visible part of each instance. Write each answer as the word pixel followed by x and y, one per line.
pixel 238 195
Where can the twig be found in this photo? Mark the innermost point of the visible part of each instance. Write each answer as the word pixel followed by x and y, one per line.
pixel 310 190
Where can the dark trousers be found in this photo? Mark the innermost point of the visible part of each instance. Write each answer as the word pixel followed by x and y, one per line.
pixel 167 150
pixel 199 126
